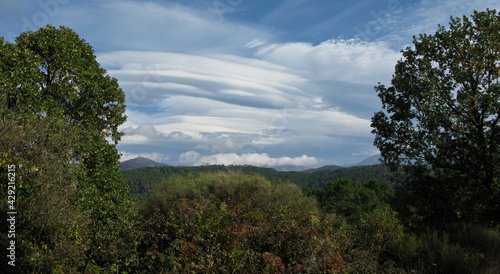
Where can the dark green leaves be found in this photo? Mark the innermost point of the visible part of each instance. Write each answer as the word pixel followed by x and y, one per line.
pixel 51 77
pixel 443 109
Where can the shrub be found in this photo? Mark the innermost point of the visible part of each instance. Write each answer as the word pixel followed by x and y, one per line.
pixel 461 248
pixel 234 223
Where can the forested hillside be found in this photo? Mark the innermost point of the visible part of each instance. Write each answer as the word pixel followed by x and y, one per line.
pixel 141 180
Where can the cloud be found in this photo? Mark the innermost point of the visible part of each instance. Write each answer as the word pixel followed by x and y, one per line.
pixel 148 134
pixel 227 143
pixel 352 61
pixel 155 25
pixel 157 157
pixel 189 157
pixel 146 130
pixel 148 77
pixel 226 105
pixel 255 159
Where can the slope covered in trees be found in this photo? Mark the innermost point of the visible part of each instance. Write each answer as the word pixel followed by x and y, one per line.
pixel 143 179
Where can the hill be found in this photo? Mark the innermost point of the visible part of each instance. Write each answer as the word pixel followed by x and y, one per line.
pixel 323 168
pixel 139 163
pixel 374 160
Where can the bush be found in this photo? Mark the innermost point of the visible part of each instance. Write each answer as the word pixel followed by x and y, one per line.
pixel 351 198
pixel 234 223
pixel 461 248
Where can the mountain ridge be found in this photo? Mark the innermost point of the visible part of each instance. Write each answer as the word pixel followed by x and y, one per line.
pixel 140 162
pixel 373 160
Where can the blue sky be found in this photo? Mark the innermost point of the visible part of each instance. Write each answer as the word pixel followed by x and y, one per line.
pixel 255 82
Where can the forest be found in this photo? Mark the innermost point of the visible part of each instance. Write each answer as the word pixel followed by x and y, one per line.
pixel 433 206
pixel 141 180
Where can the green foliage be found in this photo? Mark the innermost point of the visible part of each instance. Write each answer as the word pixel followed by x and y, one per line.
pixel 233 223
pixel 218 222
pixel 440 127
pixel 68 81
pixel 361 174
pixel 50 229
pixel 466 248
pixel 381 228
pixel 350 198
pixel 58 110
pixel 142 180
pixel 235 186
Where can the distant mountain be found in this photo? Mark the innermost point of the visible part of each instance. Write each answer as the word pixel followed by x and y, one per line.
pixel 139 162
pixel 374 160
pixel 329 167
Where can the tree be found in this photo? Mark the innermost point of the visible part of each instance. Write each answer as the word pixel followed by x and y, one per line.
pixel 51 77
pixel 351 198
pixel 56 72
pixel 440 119
pixel 49 225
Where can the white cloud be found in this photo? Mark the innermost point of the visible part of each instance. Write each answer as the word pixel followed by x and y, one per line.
pixel 189 157
pixel 227 143
pixel 254 159
pixel 145 130
pixel 225 104
pixel 148 134
pixel 255 43
pixel 148 77
pixel 350 61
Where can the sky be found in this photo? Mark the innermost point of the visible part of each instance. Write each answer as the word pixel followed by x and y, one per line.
pixel 245 82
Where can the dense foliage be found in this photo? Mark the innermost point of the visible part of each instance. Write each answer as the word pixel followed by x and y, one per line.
pixel 58 111
pixel 141 180
pixel 351 198
pixel 440 125
pixel 221 222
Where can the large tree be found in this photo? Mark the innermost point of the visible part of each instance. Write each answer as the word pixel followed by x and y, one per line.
pixel 440 119
pixel 50 77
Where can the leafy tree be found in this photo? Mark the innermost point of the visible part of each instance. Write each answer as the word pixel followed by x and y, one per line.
pixel 350 198
pixel 52 76
pixel 50 228
pixel 440 119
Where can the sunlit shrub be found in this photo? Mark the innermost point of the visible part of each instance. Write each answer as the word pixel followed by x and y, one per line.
pixel 235 223
pixel 381 228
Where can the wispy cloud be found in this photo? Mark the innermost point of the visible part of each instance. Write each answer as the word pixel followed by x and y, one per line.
pixel 224 104
pixel 352 61
pixel 158 26
pixel 251 84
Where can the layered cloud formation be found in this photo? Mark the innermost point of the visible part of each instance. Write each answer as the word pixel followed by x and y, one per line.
pixel 229 106
pixel 267 83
